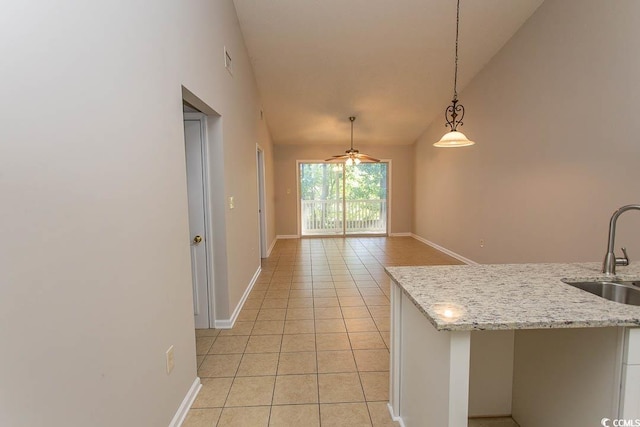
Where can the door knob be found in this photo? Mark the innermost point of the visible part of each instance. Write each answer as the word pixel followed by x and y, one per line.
pixel 197 239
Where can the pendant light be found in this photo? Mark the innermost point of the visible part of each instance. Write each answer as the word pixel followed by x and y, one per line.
pixel 351 156
pixel 454 112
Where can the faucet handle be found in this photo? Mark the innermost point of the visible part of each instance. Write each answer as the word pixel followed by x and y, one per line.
pixel 624 260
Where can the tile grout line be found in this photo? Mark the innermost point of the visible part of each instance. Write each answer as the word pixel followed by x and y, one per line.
pixel 315 338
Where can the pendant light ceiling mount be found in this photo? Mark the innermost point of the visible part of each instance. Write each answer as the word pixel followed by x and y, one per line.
pixel 352 156
pixel 454 112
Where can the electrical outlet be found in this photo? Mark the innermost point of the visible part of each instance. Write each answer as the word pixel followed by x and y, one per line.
pixel 171 361
pixel 482 243
pixel 231 203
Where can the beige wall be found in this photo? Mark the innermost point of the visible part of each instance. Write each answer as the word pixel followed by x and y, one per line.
pixel 566 377
pixel 95 280
pixel 554 115
pixel 401 157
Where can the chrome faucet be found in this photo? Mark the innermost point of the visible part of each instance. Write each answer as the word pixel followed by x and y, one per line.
pixel 610 259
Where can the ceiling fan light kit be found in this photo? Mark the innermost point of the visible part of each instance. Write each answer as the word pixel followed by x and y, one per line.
pixel 454 112
pixel 351 156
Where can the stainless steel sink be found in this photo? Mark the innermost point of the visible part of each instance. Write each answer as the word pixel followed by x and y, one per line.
pixel 625 292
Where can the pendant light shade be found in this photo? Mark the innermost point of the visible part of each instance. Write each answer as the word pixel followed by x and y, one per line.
pixel 454 139
pixel 454 112
pixel 351 156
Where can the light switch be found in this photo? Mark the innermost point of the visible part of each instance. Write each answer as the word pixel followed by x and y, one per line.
pixel 231 204
pixel 171 361
pixel 288 191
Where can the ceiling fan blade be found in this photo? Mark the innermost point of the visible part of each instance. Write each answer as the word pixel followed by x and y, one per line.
pixel 340 157
pixel 368 158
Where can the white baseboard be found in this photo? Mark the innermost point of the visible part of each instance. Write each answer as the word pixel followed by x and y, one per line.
pixel 273 244
pixel 288 236
pixel 445 250
pixel 228 323
pixel 181 414
pixel 394 417
pixel 399 234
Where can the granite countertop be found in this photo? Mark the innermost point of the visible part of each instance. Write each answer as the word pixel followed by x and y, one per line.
pixel 513 296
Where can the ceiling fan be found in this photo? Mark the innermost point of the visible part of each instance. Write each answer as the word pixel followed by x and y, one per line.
pixel 351 156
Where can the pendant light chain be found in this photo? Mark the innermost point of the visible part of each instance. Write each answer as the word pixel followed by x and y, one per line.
pixel 455 75
pixel 454 113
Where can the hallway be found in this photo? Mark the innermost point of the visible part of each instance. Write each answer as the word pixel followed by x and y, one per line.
pixel 311 345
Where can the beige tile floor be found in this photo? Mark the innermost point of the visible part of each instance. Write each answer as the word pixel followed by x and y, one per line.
pixel 492 422
pixel 311 344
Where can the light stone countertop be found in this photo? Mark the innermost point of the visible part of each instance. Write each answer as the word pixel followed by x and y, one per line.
pixel 513 296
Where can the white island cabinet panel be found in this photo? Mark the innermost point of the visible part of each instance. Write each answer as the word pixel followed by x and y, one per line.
pixel 630 407
pixel 630 397
pixel 433 370
pixel 632 346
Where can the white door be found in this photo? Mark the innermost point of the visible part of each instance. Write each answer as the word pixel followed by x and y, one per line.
pixel 198 234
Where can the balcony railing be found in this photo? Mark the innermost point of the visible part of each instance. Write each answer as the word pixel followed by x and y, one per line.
pixel 326 217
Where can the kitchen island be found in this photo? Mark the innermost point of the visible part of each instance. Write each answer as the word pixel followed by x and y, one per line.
pixel 493 340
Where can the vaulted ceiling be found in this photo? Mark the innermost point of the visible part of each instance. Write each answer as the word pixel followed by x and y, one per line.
pixel 388 62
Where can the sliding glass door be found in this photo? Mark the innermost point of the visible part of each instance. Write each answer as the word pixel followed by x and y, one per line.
pixel 321 193
pixel 365 206
pixel 336 199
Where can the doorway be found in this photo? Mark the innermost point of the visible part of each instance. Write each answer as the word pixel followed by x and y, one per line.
pixel 262 223
pixel 336 199
pixel 195 155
